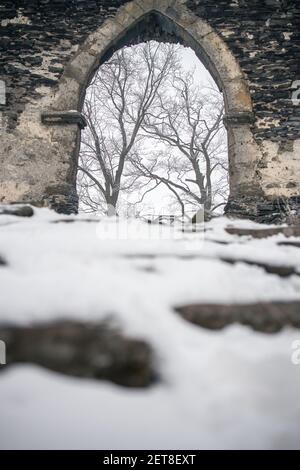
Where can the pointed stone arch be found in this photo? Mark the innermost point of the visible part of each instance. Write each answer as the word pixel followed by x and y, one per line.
pixel 168 19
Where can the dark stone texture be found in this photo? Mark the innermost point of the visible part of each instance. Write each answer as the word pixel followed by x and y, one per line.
pixel 282 271
pixel 292 231
pixel 293 244
pixel 261 210
pixel 90 350
pixel 59 117
pixel 264 37
pixel 63 199
pixel 239 118
pixel 53 28
pixel 71 221
pixel 265 317
pixel 18 210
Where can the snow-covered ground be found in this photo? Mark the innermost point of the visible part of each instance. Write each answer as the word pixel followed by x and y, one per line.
pixel 234 388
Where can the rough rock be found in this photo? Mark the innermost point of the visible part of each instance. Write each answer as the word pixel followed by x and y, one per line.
pixel 292 231
pixel 20 211
pixel 91 350
pixel 266 317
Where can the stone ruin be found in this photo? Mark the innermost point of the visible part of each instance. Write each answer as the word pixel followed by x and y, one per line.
pixel 50 50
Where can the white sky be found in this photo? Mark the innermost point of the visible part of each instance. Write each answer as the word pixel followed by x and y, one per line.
pixel 190 60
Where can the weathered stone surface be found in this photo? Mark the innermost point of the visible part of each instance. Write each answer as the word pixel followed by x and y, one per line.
pixel 277 211
pixel 279 270
pixel 62 200
pixel 95 220
pixel 20 211
pixel 42 36
pixel 91 350
pixel 58 117
pixel 294 244
pixel 263 36
pixel 292 231
pixel 265 317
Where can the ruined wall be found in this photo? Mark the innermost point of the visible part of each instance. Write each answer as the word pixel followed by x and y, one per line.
pixel 38 40
pixel 264 36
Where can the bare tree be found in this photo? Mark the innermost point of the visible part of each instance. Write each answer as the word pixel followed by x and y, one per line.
pixel 122 93
pixel 193 162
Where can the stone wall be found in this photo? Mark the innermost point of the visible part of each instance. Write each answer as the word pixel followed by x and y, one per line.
pixel 41 40
pixel 37 40
pixel 264 36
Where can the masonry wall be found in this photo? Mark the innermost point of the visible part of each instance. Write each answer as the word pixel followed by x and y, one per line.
pixel 264 36
pixel 38 38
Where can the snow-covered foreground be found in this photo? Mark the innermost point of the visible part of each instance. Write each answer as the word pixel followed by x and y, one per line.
pixel 234 388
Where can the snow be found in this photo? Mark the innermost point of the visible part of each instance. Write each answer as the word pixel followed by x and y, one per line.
pixel 234 388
